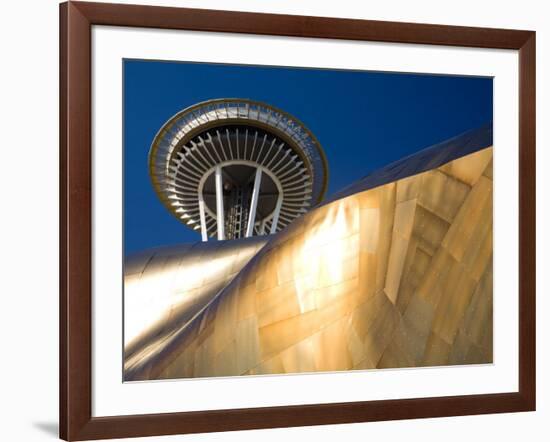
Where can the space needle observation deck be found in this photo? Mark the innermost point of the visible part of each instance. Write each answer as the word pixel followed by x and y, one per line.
pixel 235 168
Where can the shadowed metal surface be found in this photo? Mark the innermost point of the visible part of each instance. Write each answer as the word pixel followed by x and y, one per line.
pixel 395 275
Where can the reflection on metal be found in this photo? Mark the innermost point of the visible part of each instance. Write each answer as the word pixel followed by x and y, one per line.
pixel 205 160
pixel 396 272
pixel 166 286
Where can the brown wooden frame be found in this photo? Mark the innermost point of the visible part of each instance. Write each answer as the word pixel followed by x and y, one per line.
pixel 76 421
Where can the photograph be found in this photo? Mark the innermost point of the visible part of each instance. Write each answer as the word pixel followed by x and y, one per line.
pixel 279 220
pixel 282 220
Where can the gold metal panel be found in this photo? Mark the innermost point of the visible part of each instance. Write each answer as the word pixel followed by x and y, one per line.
pixel 269 366
pixel 364 314
pixel 399 248
pixel 429 230
pixel 329 353
pixel 299 358
pixel 225 322
pixel 283 334
pixel 442 194
pixel 369 229
pixel 329 294
pixel 437 352
pixel 476 355
pixel 266 276
pixel 478 256
pixel 405 286
pixel 417 324
pixel 371 199
pixel 247 348
pixel 367 278
pixel 330 273
pixel 204 358
pixel 355 346
pixel 398 352
pixel 365 364
pixel 404 218
pixel 468 169
pixel 247 301
pixel 408 188
pixel 305 292
pixel 441 272
pixel 285 262
pixel 414 275
pixel 469 218
pixel 452 305
pixel 402 247
pixel 386 197
pixel 381 331
pixel 478 318
pixel 225 363
pixel 284 305
pixel 459 350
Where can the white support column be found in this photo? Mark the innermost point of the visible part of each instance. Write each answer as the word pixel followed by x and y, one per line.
pixel 276 214
pixel 202 214
pixel 262 227
pixel 219 203
pixel 254 203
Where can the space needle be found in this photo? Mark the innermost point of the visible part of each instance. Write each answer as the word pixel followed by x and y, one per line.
pixel 235 168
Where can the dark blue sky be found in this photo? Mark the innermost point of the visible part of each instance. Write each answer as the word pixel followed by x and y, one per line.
pixel 363 120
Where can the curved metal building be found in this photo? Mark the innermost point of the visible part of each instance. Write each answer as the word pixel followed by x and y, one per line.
pixel 235 168
pixel 165 287
pixel 394 271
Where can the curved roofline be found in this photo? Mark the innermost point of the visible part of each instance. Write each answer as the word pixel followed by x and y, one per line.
pixel 429 158
pixel 167 126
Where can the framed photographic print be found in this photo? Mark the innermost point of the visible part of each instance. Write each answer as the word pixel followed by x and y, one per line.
pixel 272 220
